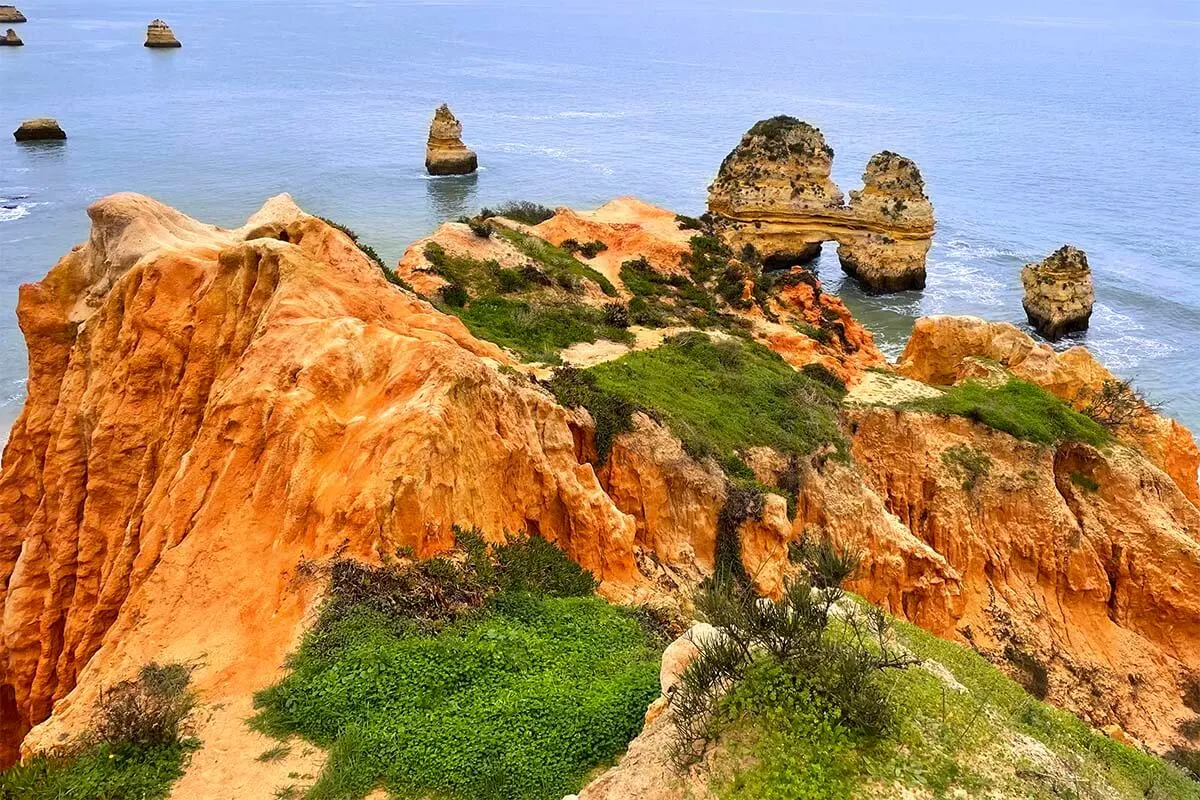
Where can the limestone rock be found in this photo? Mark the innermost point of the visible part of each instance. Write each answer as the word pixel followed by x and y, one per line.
pixel 445 153
pixel 774 191
pixel 11 14
pixel 1058 293
pixel 10 39
pixel 159 34
pixel 893 224
pixel 682 652
pixel 40 129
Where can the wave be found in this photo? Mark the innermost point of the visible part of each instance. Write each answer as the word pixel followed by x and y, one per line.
pixel 12 210
pixel 554 153
pixel 566 115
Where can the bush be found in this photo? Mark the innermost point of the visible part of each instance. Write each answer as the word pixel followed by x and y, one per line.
pixel 824 375
pixel 537 331
pixel 1085 482
pixel 511 280
pixel 616 314
pixel 790 642
pixel 148 711
pixel 454 295
pixel 521 211
pixel 1018 408
pixel 570 245
pixel 480 227
pixel 1117 403
pixel 612 414
pixel 592 249
pixel 687 223
pixel 536 566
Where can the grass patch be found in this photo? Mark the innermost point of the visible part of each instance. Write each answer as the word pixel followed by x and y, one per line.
pixel 719 398
pixel 276 753
pixel 969 464
pixel 1085 482
pixel 1018 408
pixel 136 750
pixel 555 260
pixel 517 693
pixel 523 211
pixel 538 331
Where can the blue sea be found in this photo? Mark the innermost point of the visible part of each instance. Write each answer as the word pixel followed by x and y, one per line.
pixel 1035 124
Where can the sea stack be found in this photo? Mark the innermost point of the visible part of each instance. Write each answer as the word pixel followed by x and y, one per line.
pixel 42 129
pixel 10 39
pixel 11 14
pixel 1058 293
pixel 445 153
pixel 159 34
pixel 774 192
pixel 891 226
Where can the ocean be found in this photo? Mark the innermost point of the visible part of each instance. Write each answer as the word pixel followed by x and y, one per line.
pixel 1035 125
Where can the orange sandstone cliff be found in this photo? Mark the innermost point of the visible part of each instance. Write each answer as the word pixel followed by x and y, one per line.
pixel 211 410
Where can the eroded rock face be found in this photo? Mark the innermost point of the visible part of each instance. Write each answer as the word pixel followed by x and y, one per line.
pixel 159 34
pixel 39 130
pixel 1084 562
pixel 11 14
pixel 774 191
pixel 941 349
pixel 1058 293
pixel 206 411
pixel 445 153
pixel 10 39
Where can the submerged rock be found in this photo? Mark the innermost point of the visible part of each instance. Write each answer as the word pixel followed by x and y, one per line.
pixel 445 153
pixel 11 14
pixel 774 192
pixel 10 39
pixel 40 129
pixel 1058 293
pixel 159 34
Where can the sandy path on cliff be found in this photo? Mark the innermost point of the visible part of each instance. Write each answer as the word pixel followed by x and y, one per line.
pixel 887 389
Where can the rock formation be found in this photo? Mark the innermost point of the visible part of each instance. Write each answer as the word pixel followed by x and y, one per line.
pixel 445 153
pixel 159 34
pixel 40 129
pixel 11 14
pixel 774 191
pixel 10 39
pixel 1058 293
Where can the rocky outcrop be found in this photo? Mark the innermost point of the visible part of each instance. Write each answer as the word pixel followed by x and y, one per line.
pixel 208 409
pixel 10 39
pixel 39 130
pixel 894 222
pixel 1058 293
pixel 159 34
pixel 941 351
pixel 11 14
pixel 774 191
pixel 445 153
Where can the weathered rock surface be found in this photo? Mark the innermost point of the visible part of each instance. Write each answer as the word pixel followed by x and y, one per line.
pixel 940 352
pixel 1058 293
pixel 205 411
pixel 11 14
pixel 40 129
pixel 10 39
pixel 445 153
pixel 774 191
pixel 159 34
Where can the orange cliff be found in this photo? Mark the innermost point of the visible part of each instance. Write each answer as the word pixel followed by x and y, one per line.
pixel 210 411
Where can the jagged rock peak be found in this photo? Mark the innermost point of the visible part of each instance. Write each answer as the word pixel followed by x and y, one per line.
pixel 40 129
pixel 10 39
pixel 1058 293
pixel 11 14
pixel 445 153
pixel 159 34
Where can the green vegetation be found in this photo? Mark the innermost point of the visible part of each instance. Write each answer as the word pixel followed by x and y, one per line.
pixel 969 464
pixel 555 260
pixel 538 331
pixel 492 674
pixel 536 328
pixel 135 752
pixel 1018 408
pixel 718 397
pixel 370 253
pixel 522 211
pixel 1085 482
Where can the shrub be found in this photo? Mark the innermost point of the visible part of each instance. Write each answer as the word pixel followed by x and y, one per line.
pixel 148 711
pixel 1186 758
pixel 521 211
pixel 1117 403
pixel 687 223
pixel 556 261
pixel 534 565
pixel 570 245
pixel 480 227
pixel 537 331
pixel 969 464
pixel 454 295
pixel 616 314
pixel 825 376
pixel 511 280
pixel 1031 673
pixel 1085 482
pixel 592 249
pixel 1018 408
pixel 789 646
pixel 819 335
